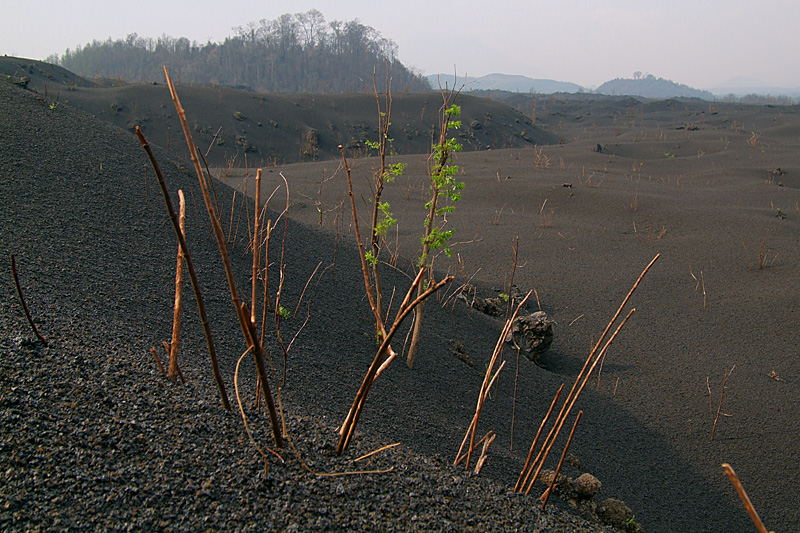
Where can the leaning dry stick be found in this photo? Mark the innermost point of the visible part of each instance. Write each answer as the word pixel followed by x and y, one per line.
pixel 745 499
pixel 487 383
pixel 348 427
pixel 176 314
pixel 549 490
pixel 190 267
pixel 22 301
pixel 244 320
pixel 536 440
pixel 581 380
pixel 568 405
pixel 158 360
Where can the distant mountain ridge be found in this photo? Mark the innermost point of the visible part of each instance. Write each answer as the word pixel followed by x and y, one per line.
pixel 507 82
pixel 741 86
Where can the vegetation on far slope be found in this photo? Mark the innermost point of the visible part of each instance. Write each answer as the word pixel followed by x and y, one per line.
pixel 299 53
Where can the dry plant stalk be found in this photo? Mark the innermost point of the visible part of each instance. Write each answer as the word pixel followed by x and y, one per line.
pixel 525 469
pixel 745 499
pixel 22 301
pixel 382 356
pixel 569 403
pixel 167 351
pixel 482 458
pixel 248 329
pixel 212 352
pixel 580 382
pixel 721 397
pixel 176 314
pixel 256 249
pixel 362 255
pixel 549 490
pixel 158 361
pixel 488 379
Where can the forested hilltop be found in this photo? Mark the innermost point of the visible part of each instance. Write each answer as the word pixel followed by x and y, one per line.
pixel 299 53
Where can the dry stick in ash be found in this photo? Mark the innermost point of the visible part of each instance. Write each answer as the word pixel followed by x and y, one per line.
pixel 371 298
pixel 158 361
pixel 22 301
pixel 381 356
pixel 519 484
pixel 570 403
pixel 256 249
pixel 244 319
pixel 721 397
pixel 745 499
pixel 212 352
pixel 549 490
pixel 176 313
pixel 488 379
pixel 577 387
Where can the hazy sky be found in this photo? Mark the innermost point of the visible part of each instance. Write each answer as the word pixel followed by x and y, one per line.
pixel 697 42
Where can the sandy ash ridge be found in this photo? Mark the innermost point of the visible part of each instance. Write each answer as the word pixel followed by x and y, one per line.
pixel 94 438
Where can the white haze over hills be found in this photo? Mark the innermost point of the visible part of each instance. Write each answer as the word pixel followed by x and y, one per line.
pixel 738 86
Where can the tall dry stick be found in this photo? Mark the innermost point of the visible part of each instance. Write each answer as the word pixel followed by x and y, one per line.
pixel 515 254
pixel 176 312
pixel 581 380
pixel 256 249
pixel 244 319
pixel 488 379
pixel 212 352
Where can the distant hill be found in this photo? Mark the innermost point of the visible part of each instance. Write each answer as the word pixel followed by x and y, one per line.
pixel 300 53
pixel 33 74
pixel 651 87
pixel 508 82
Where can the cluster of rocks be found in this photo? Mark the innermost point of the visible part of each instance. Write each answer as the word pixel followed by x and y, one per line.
pixel 532 333
pixel 579 493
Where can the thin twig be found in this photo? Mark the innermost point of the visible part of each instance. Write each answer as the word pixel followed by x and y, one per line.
pixel 370 454
pixel 22 301
pixel 721 397
pixel 244 416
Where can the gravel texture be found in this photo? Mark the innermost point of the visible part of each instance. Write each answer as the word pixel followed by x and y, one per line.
pixel 92 437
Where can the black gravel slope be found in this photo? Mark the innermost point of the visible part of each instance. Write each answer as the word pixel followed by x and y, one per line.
pixel 93 438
